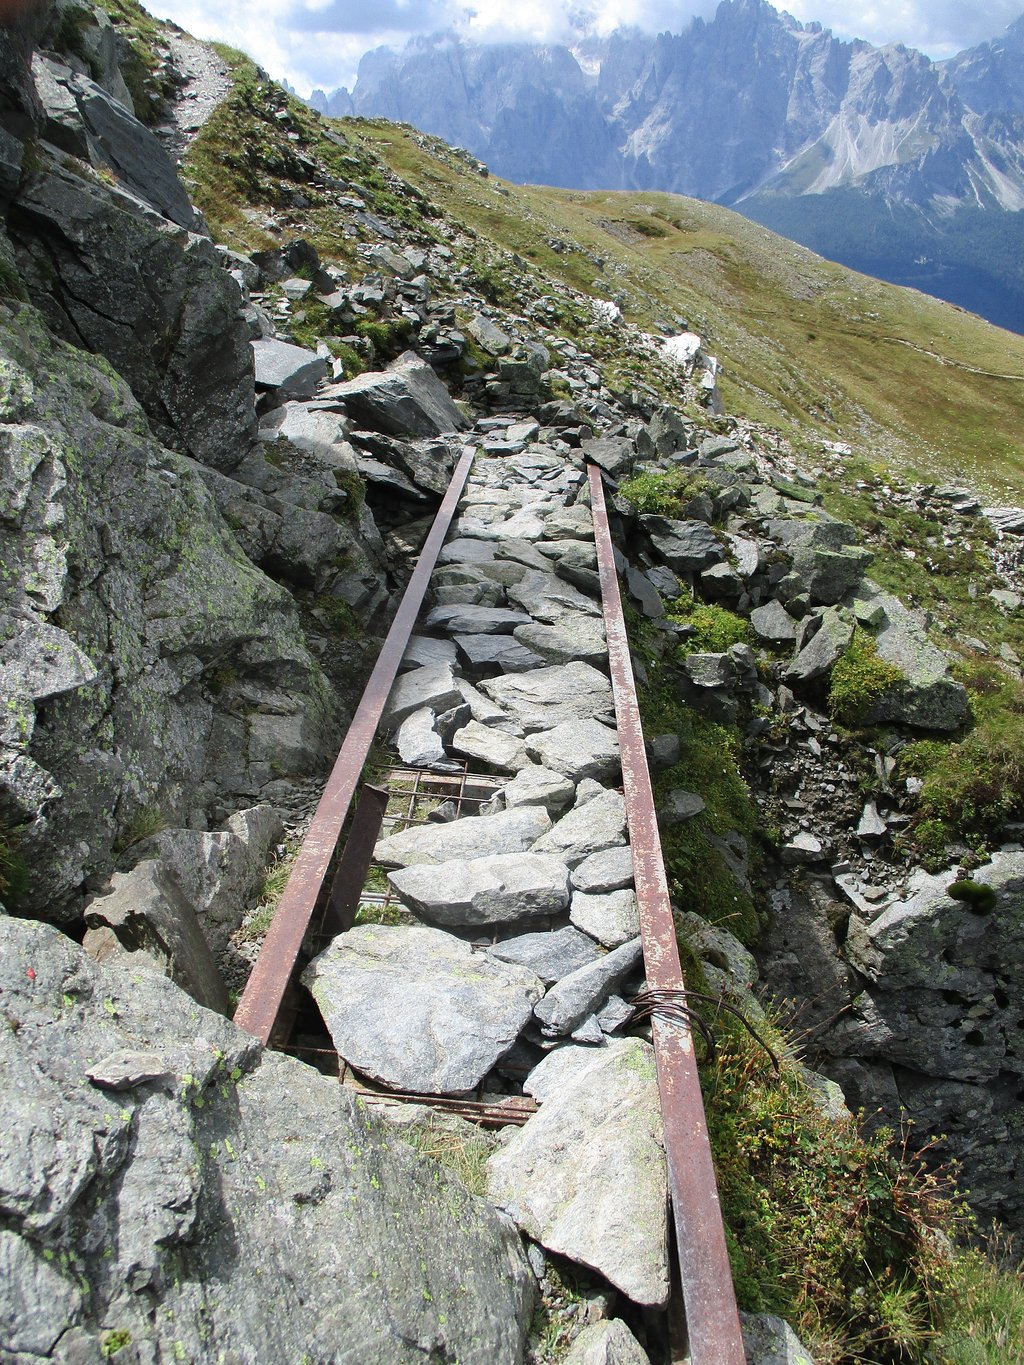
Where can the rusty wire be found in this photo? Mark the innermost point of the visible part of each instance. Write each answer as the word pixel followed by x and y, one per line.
pixel 673 1004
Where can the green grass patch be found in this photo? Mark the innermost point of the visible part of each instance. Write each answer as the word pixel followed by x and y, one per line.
pixel 859 680
pixel 847 1236
pixel 717 629
pixel 664 493
pixel 460 1147
pixel 14 874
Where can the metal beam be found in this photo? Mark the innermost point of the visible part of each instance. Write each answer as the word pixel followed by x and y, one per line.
pixel 261 1000
pixel 709 1299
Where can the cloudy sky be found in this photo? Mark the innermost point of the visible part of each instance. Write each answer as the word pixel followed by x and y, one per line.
pixel 319 42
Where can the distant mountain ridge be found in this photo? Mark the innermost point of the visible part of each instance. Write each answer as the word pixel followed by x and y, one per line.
pixel 877 156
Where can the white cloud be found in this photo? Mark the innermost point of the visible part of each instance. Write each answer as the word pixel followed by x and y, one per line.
pixel 319 42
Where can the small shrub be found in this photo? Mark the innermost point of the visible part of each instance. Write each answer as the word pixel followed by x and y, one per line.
pixel 663 494
pixel 859 680
pixel 143 825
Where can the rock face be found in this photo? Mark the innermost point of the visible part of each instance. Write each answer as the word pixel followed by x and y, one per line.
pixel 409 400
pixel 418 1009
pixel 165 1191
pixel 586 1176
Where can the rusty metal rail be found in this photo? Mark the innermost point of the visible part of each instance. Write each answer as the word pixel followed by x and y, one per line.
pixel 258 1008
pixel 712 1319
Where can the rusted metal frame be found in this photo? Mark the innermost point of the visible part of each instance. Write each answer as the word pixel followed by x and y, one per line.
pixel 350 876
pixel 275 964
pixel 712 1318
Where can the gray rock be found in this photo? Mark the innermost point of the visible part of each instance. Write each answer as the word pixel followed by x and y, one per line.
pixel 477 836
pixel 591 828
pixel 802 848
pixel 817 659
pixel 425 650
pixel 1008 521
pixel 606 1343
pixel 643 591
pixel 460 620
pixel 578 995
pixel 678 806
pixel 291 1164
pixel 500 890
pixel 610 870
pixel 537 786
pixel 290 370
pixel 719 948
pixel 573 638
pixel 929 697
pixel 125 1070
pixel 497 651
pixel 417 1009
pixel 488 335
pixel 769 1340
pixel 586 1176
pixel 550 955
pixel 710 670
pixel 543 699
pixel 577 748
pixel 611 917
pixel 408 399
pixel 614 1014
pixel 492 747
pixel 146 920
pixel 613 454
pixel 871 825
pixel 549 599
pixel 663 752
pixel 773 624
pixel 432 686
pixel 685 546
pixel 418 743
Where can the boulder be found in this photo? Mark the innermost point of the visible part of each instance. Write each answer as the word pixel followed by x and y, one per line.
pixel 577 748
pixel 475 836
pixel 500 890
pixel 432 686
pixel 582 992
pixel 817 658
pixel 460 620
pixel 607 871
pixel 417 1009
pixel 613 454
pixel 769 1340
pixel 291 371
pixel 304 1223
pixel 543 699
pixel 407 399
pixel 551 955
pixel 773 624
pixel 678 806
pixel 610 917
pixel 494 748
pixel 929 697
pixel 497 651
pixel 537 786
pixel 606 1343
pixel 418 743
pixel 597 825
pixel 685 546
pixel 573 638
pixel 586 1176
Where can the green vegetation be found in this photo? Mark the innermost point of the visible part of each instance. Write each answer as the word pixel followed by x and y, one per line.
pixel 846 1236
pixel 979 897
pixel 972 785
pixel 460 1147
pixel 141 60
pixel 143 824
pixel 665 494
pixel 14 875
pixel 113 1342
pixel 716 628
pixel 860 679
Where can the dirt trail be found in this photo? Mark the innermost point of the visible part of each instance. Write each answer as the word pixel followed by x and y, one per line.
pixel 207 81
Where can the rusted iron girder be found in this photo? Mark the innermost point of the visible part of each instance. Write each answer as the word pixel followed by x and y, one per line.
pixel 712 1319
pixel 265 990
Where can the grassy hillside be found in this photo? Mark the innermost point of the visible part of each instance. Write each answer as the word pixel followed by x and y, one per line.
pixel 808 346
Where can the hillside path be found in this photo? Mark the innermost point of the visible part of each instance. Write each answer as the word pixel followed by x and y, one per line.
pixel 206 82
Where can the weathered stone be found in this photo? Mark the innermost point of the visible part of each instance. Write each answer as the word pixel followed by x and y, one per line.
pixel 773 624
pixel 716 946
pixel 488 335
pixel 606 1343
pixel 768 1340
pixel 642 590
pixel 492 747
pixel 685 546
pixel 591 828
pixel 432 686
pixel 710 670
pixel 929 697
pixel 551 955
pixel 476 836
pixel 537 786
pixel 125 1070
pixel 497 651
pixel 802 848
pixel 610 870
pixel 292 371
pixel 475 620
pixel 586 1176
pixel 407 399
pixel 543 699
pixel 150 922
pixel 613 454
pixel 417 1009
pixel 500 890
pixel 577 748
pixel 582 992
pixel 549 599
pixel 817 659
pixel 610 917
pixel 418 743
pixel 294 1167
pixel 678 806
pixel 573 638
pixel 424 650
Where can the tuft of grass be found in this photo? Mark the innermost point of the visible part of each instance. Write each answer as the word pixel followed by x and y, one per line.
pixel 716 628
pixel 859 680
pixel 664 493
pixel 144 824
pixel 460 1147
pixel 14 874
